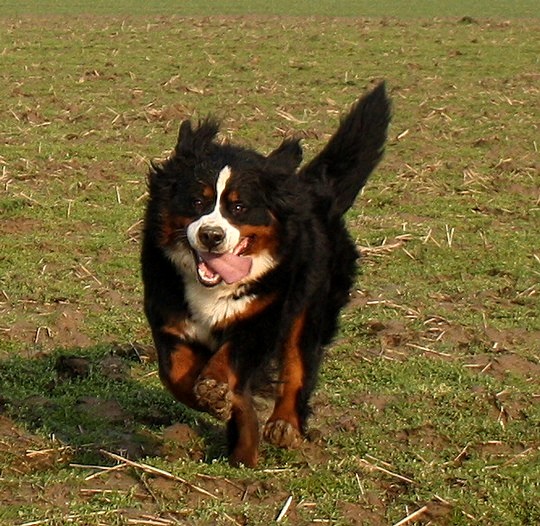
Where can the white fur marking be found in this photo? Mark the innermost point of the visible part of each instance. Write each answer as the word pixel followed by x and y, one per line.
pixel 211 306
pixel 215 218
pixel 261 263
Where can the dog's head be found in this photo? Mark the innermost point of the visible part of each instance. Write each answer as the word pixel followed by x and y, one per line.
pixel 217 206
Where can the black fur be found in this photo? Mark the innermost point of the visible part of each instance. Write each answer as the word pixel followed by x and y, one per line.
pixel 300 296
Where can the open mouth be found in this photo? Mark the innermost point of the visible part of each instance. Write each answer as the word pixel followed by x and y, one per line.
pixel 230 267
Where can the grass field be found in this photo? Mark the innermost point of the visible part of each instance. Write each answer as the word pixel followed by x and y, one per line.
pixel 428 407
pixel 335 8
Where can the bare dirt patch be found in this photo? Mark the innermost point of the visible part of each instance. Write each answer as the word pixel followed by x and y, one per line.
pixel 425 436
pixel 501 365
pixel 19 449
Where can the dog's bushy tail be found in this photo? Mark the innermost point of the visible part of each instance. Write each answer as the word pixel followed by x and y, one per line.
pixel 353 152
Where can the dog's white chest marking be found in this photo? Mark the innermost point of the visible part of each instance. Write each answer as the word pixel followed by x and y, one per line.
pixel 210 307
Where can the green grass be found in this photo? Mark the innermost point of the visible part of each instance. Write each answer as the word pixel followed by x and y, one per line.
pixel 335 8
pixel 434 375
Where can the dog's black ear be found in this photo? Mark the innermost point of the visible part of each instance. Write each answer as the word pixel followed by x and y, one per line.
pixel 192 140
pixel 286 157
pixel 185 138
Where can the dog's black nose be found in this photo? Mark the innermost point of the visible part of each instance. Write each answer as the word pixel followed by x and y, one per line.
pixel 211 236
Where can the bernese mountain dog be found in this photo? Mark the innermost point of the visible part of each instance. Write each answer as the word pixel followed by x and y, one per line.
pixel 246 263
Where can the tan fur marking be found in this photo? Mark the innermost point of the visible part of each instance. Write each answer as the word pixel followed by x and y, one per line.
pixel 254 307
pixel 184 369
pixel 246 450
pixel 263 238
pixel 233 196
pixel 219 367
pixel 171 225
pixel 291 377
pixel 208 192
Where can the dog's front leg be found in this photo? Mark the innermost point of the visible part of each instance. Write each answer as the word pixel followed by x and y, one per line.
pixel 243 431
pixel 220 392
pixel 285 426
pixel 216 384
pixel 180 364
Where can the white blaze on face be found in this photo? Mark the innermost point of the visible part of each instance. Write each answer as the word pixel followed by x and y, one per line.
pixel 215 219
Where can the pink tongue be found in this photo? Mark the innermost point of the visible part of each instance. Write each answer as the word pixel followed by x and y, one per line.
pixel 230 267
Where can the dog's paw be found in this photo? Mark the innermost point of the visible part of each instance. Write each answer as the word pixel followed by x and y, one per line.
pixel 214 397
pixel 240 458
pixel 282 434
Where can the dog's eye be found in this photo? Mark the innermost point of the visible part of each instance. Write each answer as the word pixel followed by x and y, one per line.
pixel 198 205
pixel 237 208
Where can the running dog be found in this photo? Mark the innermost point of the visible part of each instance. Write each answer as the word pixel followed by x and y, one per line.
pixel 246 264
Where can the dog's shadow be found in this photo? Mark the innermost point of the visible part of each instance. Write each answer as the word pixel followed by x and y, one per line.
pixel 106 397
